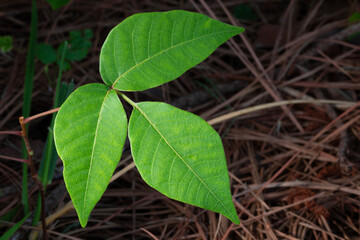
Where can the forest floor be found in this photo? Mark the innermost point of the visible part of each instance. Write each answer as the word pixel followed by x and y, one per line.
pixel 294 169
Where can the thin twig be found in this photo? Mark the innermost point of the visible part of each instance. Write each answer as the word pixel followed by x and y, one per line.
pixel 290 184
pixel 275 104
pixel 18 133
pixel 15 159
pixel 26 120
pixel 343 141
pixel 152 235
pixel 262 78
pixel 34 176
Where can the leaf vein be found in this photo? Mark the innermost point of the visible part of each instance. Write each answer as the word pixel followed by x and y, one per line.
pixel 93 149
pixel 172 34
pixel 189 185
pixel 171 167
pixel 133 43
pixel 162 51
pixel 153 160
pixel 181 158
pixel 152 22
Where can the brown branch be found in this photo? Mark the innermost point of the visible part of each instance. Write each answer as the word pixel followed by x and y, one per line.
pixel 344 163
pixel 34 176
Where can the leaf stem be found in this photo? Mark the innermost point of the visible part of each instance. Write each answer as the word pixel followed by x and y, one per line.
pixel 26 120
pixel 18 133
pixel 127 99
pixel 15 159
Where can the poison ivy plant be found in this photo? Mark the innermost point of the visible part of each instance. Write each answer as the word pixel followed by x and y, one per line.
pixel 56 4
pixel 46 53
pixel 6 43
pixel 244 12
pixel 176 152
pixel 78 47
pixel 352 19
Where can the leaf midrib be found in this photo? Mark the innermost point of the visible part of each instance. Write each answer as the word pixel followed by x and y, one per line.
pixel 93 149
pixel 168 49
pixel 177 154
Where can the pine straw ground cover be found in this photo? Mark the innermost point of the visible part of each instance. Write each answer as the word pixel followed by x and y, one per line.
pixel 294 169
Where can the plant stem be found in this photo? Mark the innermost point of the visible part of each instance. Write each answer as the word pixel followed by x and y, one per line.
pixel 127 99
pixel 26 120
pixel 18 133
pixel 15 159
pixel 30 154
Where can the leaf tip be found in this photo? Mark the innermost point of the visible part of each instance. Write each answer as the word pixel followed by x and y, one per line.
pixel 231 214
pixel 236 220
pixel 241 30
pixel 83 214
pixel 233 217
pixel 237 30
pixel 83 220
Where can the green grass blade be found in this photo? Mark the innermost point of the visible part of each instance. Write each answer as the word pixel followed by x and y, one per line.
pixel 50 155
pixel 48 162
pixel 14 228
pixel 50 152
pixel 8 216
pixel 65 91
pixel 29 78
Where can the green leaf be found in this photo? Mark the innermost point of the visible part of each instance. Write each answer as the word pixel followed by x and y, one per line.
pixel 90 131
pixel 77 49
pixel 355 17
pixel 56 4
pixel 149 49
pixel 245 12
pixel 180 155
pixel 46 53
pixel 6 43
pixel 80 44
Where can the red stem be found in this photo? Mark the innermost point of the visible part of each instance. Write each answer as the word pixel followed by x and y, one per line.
pixel 34 175
pixel 15 159
pixel 18 133
pixel 26 120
